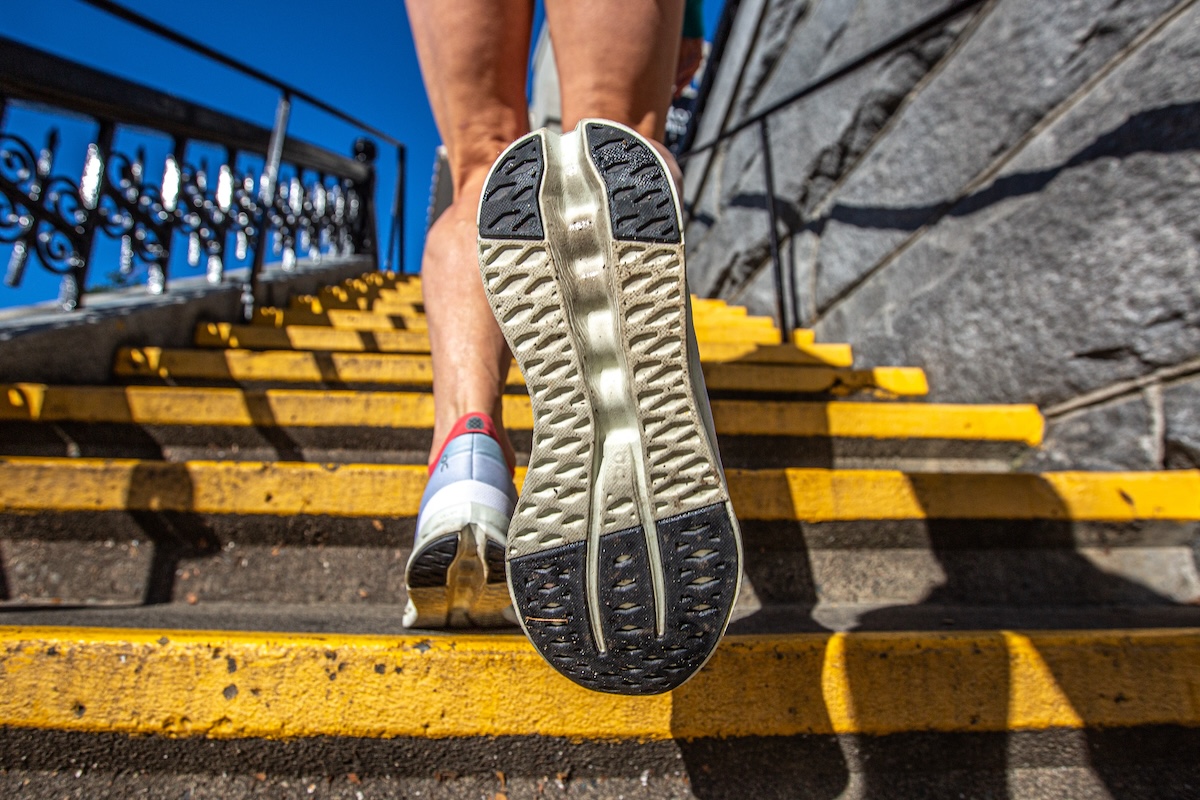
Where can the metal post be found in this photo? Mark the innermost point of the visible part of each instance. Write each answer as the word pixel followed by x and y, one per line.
pixel 266 199
pixel 781 302
pixel 396 235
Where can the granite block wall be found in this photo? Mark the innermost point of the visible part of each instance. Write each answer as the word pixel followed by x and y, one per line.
pixel 1011 202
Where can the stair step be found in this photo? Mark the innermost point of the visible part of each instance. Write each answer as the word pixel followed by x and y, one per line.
pixel 317 337
pixel 316 533
pixel 760 330
pixel 886 574
pixel 185 423
pixel 173 405
pixel 349 369
pixel 809 495
pixel 309 337
pixel 273 685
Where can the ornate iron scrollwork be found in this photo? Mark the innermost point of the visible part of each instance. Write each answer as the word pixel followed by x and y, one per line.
pixel 46 217
pixel 40 215
pixel 219 207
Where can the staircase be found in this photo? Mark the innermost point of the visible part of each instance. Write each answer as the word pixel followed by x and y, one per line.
pixel 202 582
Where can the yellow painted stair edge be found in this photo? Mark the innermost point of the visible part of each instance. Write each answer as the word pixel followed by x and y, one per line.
pixel 175 405
pixel 277 686
pixel 416 370
pixel 807 495
pixel 324 338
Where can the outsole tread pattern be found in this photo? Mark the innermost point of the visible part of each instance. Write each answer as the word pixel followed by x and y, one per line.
pixel 437 599
pixel 639 192
pixel 700 567
pixel 560 468
pixel 432 564
pixel 511 201
pixel 623 554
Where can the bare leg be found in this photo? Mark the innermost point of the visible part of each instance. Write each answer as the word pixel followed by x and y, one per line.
pixel 473 56
pixel 617 60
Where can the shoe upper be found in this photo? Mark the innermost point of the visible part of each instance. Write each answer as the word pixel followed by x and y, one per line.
pixel 470 470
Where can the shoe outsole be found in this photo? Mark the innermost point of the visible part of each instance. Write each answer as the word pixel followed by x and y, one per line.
pixel 623 552
pixel 452 585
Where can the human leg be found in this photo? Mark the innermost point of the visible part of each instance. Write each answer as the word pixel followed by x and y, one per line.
pixel 473 56
pixel 617 60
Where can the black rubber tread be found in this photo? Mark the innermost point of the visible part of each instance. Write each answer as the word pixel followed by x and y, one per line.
pixel 640 202
pixel 509 208
pixel 432 566
pixel 493 554
pixel 700 565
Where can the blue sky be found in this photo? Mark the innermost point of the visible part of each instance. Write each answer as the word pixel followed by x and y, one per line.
pixel 358 58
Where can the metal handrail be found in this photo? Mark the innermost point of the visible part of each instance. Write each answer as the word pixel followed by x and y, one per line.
pixel 134 18
pixel 144 217
pixel 761 119
pixel 287 93
pixel 326 205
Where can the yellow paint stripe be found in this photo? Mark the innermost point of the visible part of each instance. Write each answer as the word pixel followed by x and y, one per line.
pixel 1018 423
pixel 734 376
pixel 346 320
pixel 410 309
pixel 363 297
pixel 831 355
pixel 810 495
pixel 309 337
pixel 264 685
pixel 416 370
pixel 320 337
pixel 293 366
pixel 749 329
pixel 334 297
pixel 157 405
pixel 406 309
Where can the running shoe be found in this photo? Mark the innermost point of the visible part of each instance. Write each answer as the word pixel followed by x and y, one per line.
pixel 624 556
pixel 455 575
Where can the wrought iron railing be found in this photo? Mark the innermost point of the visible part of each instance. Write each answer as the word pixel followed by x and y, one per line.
pixel 263 192
pixel 785 296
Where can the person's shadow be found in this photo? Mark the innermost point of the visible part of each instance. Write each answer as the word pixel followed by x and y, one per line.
pixel 996 576
pixel 999 576
pixel 779 577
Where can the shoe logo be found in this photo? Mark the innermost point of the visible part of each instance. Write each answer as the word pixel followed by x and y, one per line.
pixel 475 424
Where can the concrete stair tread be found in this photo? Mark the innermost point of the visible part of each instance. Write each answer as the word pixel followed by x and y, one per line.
pixel 323 338
pixel 352 369
pixel 261 684
pixel 808 495
pixel 175 405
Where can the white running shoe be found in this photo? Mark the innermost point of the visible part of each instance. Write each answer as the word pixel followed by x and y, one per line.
pixel 455 575
pixel 624 556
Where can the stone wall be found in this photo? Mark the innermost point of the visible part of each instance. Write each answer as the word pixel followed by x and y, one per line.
pixel 1012 203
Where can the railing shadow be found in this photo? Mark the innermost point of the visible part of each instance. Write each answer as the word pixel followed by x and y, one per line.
pixel 1009 574
pixel 982 569
pixel 1167 129
pixel 175 533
